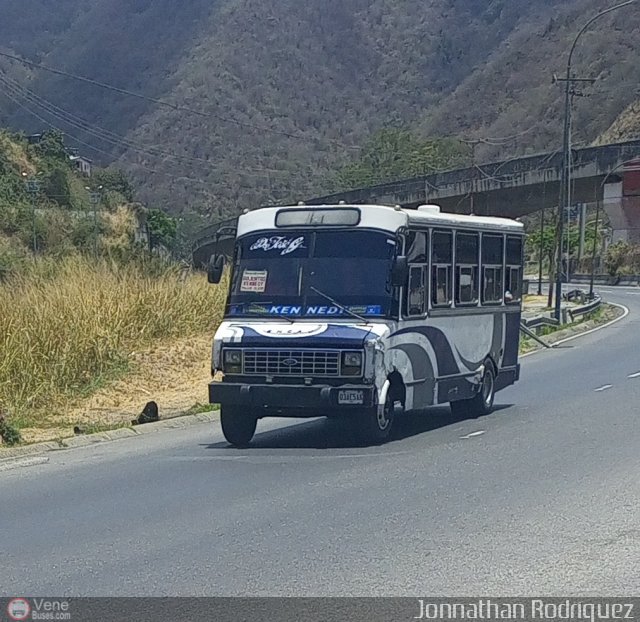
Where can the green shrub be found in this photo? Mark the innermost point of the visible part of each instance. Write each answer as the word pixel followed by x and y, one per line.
pixel 9 434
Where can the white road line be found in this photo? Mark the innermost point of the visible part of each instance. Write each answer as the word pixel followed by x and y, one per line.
pixel 603 388
pixel 478 433
pixel 636 375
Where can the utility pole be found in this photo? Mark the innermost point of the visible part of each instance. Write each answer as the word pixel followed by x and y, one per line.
pixel 564 204
pixel 33 187
pixel 565 184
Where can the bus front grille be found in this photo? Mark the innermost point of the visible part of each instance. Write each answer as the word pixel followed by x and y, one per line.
pixel 306 363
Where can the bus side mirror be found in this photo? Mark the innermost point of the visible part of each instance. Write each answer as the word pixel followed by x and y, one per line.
pixel 400 271
pixel 215 268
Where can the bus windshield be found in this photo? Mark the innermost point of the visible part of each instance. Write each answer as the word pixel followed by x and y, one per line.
pixel 297 273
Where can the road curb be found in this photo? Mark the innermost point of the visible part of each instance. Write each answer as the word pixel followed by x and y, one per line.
pixel 20 455
pixel 578 334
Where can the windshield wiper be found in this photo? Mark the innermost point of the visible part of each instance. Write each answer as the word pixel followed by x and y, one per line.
pixel 337 304
pixel 280 315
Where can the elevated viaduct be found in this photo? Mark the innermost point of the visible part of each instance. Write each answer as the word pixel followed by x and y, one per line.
pixel 511 188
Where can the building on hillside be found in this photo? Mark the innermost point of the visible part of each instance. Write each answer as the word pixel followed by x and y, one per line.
pixel 622 203
pixel 631 179
pixel 82 164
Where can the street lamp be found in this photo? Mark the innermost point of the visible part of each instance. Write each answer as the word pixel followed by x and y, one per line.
pixel 540 252
pixel 565 184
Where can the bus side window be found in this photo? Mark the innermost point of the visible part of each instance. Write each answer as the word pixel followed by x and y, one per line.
pixel 467 245
pixel 416 247
pixel 416 291
pixel 513 275
pixel 492 272
pixel 416 251
pixel 441 265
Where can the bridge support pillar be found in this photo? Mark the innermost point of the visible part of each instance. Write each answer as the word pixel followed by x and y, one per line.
pixel 623 212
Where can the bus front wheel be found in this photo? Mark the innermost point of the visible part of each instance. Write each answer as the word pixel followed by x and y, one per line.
pixel 238 427
pixel 377 423
pixel 482 403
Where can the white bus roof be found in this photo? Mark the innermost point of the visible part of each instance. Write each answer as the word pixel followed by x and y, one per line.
pixel 427 215
pixel 381 217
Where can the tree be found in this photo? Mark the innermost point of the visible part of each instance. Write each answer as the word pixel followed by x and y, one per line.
pixel 57 187
pixel 115 180
pixel 534 245
pixel 396 153
pixel 51 146
pixel 162 229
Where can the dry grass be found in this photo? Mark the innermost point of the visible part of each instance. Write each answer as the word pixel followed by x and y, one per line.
pixel 16 155
pixel 67 328
pixel 174 374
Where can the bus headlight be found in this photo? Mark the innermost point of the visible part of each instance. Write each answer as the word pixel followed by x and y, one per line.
pixel 232 361
pixel 351 363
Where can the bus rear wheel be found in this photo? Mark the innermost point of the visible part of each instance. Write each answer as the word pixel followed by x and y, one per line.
pixel 482 403
pixel 238 427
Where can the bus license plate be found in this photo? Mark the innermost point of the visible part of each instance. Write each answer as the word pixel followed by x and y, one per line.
pixel 350 396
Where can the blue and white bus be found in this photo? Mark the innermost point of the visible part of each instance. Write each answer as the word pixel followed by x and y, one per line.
pixel 364 312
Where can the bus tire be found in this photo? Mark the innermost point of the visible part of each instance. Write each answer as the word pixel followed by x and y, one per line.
pixel 238 427
pixel 482 403
pixel 376 425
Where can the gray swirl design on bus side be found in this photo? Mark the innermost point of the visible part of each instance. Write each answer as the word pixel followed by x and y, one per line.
pixel 494 351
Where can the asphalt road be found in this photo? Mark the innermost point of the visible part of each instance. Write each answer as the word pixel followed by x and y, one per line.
pixel 540 497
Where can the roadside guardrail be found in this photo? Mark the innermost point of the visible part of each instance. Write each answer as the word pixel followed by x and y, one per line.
pixel 585 309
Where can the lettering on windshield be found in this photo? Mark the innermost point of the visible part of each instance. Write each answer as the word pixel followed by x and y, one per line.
pixel 281 243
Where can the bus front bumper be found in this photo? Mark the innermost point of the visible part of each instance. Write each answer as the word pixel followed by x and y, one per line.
pixel 300 399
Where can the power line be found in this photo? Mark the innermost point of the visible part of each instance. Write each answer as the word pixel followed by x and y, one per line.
pixel 500 141
pixel 503 139
pixel 13 95
pixel 96 132
pixel 16 101
pixel 103 134
pixel 116 139
pixel 161 102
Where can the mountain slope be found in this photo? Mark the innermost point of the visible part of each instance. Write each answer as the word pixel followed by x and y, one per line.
pixel 329 72
pixel 514 87
pixel 625 127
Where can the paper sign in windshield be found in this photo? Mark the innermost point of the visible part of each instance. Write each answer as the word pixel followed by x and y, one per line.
pixel 254 281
